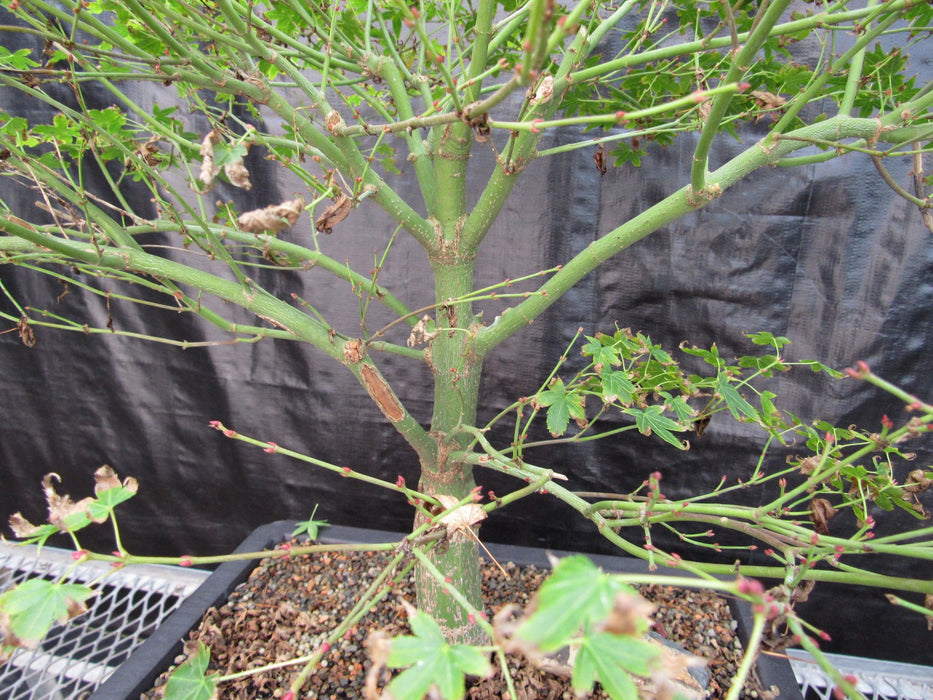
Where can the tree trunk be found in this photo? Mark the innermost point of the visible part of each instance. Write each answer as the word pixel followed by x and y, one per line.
pixel 456 371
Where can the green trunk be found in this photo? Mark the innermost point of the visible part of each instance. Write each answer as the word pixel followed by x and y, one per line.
pixel 456 372
pixel 456 384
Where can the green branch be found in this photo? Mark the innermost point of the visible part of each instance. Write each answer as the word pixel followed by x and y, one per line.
pixel 827 19
pixel 668 210
pixel 248 296
pixel 741 62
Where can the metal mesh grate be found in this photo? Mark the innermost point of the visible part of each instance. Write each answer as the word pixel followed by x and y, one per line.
pixel 77 657
pixel 877 680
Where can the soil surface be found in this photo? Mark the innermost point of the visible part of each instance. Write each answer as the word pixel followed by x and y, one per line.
pixel 290 604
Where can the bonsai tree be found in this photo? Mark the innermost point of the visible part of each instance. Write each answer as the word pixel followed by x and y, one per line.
pixel 363 102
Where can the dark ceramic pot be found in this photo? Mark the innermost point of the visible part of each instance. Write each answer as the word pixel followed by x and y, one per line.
pixel 138 673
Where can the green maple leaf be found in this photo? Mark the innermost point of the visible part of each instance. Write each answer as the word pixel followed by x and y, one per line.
pixel 107 500
pixel 575 595
pixel 616 383
pixel 602 354
pixel 310 526
pixel 562 405
pixel 652 420
pixel 738 406
pixel 35 605
pixel 429 660
pixel 190 680
pixel 612 660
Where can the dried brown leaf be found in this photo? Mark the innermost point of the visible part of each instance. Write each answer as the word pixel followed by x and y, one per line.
pixel 462 518
pixel 808 465
pixel 106 478
pixel 378 644
pixel 672 677
pixel 420 334
pixel 629 615
pixel 238 175
pixel 21 527
pixel 545 91
pixel 9 642
pixel 917 481
pixel 61 506
pixel 273 218
pixel 801 592
pixel 821 512
pixel 74 608
pixel 768 101
pixel 600 159
pixel 147 152
pixel 334 214
pixel 26 333
pixel 235 171
pixel 208 170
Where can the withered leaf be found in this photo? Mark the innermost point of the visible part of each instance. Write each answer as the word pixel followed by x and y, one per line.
pixel 273 218
pixel 61 506
pixel 21 527
pixel 768 101
pixel 378 644
pixel 630 615
pixel 462 518
pixel 235 171
pixel 917 481
pixel 238 175
pixel 334 214
pixel 208 171
pixel 801 593
pixel 26 333
pixel 106 478
pixel 600 159
pixel 481 129
pixel 808 465
pixel 149 151
pixel 821 512
pixel 420 333
pixel 545 91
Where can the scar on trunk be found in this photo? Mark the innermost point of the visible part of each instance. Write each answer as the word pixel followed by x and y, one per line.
pixel 382 394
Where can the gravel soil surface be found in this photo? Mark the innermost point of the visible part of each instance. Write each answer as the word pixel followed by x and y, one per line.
pixel 290 604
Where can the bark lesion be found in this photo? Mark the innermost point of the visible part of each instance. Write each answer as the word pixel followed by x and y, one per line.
pixel 381 393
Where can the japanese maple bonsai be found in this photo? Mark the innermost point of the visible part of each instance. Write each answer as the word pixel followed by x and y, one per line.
pixel 342 96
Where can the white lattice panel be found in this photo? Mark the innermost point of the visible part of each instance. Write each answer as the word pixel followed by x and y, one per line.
pixel 877 680
pixel 77 657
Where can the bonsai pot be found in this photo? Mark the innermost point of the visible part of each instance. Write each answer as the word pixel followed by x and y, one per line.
pixel 139 672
